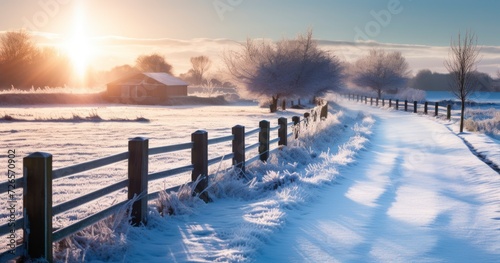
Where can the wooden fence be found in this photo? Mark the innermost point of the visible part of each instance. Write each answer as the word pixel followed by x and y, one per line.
pixel 38 235
pixel 424 107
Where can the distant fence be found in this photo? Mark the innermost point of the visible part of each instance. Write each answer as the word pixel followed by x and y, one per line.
pixel 422 107
pixel 38 235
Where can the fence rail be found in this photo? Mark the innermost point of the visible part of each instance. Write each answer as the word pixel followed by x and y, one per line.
pixel 38 235
pixel 87 166
pixel 396 104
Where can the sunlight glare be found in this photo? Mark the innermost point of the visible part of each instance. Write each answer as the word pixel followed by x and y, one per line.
pixel 79 47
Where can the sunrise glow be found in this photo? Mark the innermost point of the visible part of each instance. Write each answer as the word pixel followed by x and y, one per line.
pixel 79 46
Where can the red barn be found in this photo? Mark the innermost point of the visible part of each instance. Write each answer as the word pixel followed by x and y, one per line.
pixel 146 88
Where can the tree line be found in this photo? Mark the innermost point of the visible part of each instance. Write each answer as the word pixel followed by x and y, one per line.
pixel 24 64
pixel 434 81
pixel 288 68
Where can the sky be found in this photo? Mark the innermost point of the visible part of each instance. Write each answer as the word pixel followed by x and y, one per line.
pixel 391 23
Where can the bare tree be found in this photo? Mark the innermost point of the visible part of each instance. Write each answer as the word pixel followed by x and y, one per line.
pixel 16 56
pixel 201 65
pixel 153 63
pixel 287 68
pixel 380 71
pixel 209 87
pixel 23 64
pixel 462 61
pixel 17 47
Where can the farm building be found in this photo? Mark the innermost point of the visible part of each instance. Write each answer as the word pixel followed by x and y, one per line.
pixel 146 88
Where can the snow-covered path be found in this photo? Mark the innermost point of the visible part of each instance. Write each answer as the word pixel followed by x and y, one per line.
pixel 366 185
pixel 416 195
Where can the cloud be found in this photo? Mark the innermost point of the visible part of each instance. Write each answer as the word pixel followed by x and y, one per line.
pixel 111 51
pixel 418 56
pixel 177 52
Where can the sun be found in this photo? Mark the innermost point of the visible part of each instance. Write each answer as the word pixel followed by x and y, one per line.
pixel 79 46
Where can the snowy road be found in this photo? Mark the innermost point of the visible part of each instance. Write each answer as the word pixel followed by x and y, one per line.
pixel 368 185
pixel 416 195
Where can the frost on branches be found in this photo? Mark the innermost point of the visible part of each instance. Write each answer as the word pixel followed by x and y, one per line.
pixel 380 71
pixel 285 69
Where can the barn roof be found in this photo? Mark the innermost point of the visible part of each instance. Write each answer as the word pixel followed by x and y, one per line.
pixel 165 78
pixel 160 77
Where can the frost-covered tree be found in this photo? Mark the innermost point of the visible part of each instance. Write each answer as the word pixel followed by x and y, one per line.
pixel 287 68
pixel 201 65
pixel 462 61
pixel 380 71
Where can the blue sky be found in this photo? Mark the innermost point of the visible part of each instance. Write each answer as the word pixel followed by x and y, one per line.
pixel 418 22
pixel 409 22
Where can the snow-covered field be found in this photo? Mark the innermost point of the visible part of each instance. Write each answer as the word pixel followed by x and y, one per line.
pixel 75 142
pixel 482 112
pixel 483 97
pixel 367 185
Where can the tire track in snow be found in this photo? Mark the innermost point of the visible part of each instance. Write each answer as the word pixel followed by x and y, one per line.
pixel 479 155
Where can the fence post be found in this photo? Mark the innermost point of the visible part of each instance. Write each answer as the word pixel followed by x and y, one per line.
pixel 436 109
pixel 282 131
pixel 324 111
pixel 376 102
pixel 138 178
pixel 37 203
pixel 426 106
pixel 296 126
pixel 406 105
pixel 383 102
pixel 414 107
pixel 397 104
pixel 239 147
pixel 366 99
pixel 307 115
pixel 390 103
pixel 371 101
pixel 264 140
pixel 448 112
pixel 283 104
pixel 199 159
